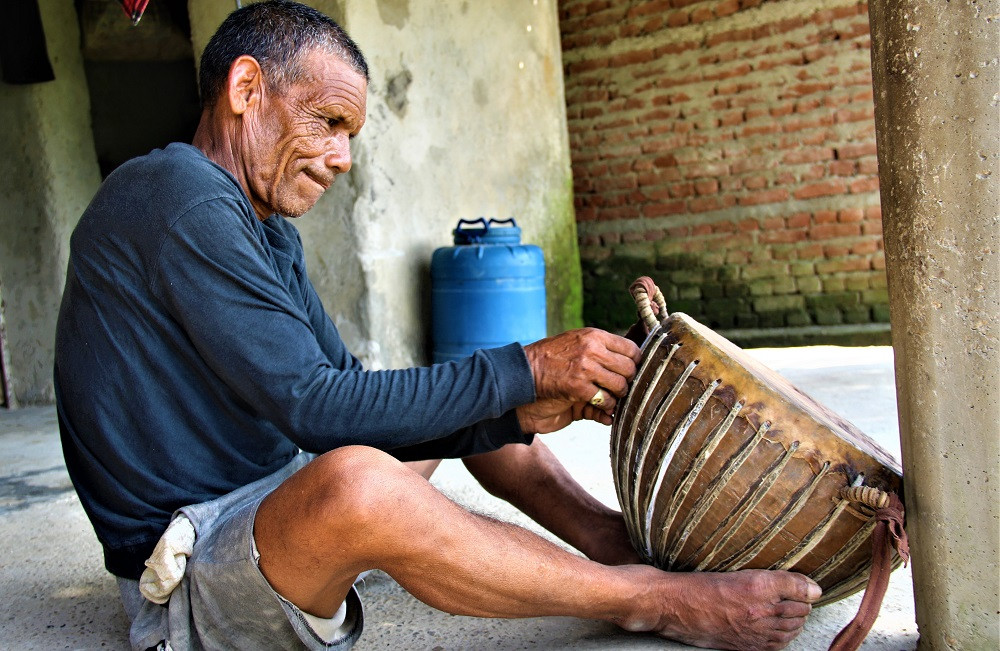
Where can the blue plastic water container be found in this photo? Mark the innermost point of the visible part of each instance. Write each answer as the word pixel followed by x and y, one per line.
pixel 486 291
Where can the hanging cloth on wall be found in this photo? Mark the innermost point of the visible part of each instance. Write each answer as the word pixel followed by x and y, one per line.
pixel 134 8
pixel 23 56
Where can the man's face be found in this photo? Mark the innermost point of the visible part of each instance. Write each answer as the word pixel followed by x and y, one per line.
pixel 299 140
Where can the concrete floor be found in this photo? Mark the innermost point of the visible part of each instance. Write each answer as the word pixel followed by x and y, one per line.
pixel 54 593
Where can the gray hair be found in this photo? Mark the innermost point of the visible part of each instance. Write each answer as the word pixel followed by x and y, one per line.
pixel 274 33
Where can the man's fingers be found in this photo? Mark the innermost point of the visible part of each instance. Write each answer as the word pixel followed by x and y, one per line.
pixel 575 364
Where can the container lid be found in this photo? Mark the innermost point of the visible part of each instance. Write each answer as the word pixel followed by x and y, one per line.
pixel 488 232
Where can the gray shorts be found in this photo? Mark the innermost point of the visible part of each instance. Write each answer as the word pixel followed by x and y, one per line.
pixel 224 602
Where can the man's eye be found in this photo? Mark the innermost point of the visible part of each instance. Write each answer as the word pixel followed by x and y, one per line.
pixel 333 122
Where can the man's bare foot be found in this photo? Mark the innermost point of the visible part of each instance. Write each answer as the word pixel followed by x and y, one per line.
pixel 750 609
pixel 608 543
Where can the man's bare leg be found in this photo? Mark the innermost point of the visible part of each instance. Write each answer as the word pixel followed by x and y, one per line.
pixel 533 480
pixel 356 508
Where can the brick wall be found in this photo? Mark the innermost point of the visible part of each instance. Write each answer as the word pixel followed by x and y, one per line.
pixel 726 148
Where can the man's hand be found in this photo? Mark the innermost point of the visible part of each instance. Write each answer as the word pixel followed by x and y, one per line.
pixel 575 365
pixel 550 414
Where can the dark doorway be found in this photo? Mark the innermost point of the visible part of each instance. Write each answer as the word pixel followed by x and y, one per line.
pixel 142 79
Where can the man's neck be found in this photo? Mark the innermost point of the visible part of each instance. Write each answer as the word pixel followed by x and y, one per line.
pixel 216 138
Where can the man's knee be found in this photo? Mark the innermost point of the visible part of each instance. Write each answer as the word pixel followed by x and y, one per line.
pixel 356 484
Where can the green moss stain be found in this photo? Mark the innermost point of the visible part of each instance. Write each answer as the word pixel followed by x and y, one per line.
pixel 563 283
pixel 724 297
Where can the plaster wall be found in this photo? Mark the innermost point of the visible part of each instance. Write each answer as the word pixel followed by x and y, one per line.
pixel 937 111
pixel 466 119
pixel 47 175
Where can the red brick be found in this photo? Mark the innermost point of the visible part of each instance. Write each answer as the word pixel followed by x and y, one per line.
pixel 649 7
pixel 824 189
pixel 825 217
pixel 704 170
pixel 878 262
pixel 701 15
pixel 681 190
pixel 706 187
pixel 755 182
pixel 851 215
pixel 631 58
pixel 868 166
pixel 781 237
pixel 729 37
pixel 678 19
pixel 772 223
pixel 732 118
pixel 836 250
pixel 865 247
pixel 860 186
pixel 726 8
pixel 855 115
pixel 748 225
pixel 761 129
pixel 661 209
pixel 874 213
pixel 872 228
pixel 830 231
pixel 629 238
pixel 782 110
pixel 730 184
pixel 798 220
pixel 704 204
pixel 678 231
pixel 724 227
pixel 798 156
pixel 767 196
pixel 842 168
pixel 604 184
pixel 810 251
pixel 814 173
pixel 701 229
pixel 621 212
pixel 856 151
pixel 751 164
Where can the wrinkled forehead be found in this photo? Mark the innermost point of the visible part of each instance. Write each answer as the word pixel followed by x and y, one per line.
pixel 327 79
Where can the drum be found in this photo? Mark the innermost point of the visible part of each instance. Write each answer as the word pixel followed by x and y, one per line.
pixel 721 464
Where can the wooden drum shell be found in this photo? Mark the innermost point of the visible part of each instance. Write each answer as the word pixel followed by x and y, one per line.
pixel 742 469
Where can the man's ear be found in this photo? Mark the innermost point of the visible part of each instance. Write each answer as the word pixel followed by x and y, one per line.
pixel 244 84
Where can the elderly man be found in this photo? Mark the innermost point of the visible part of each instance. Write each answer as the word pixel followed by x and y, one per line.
pixel 200 384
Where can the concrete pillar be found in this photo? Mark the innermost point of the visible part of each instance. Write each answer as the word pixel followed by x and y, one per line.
pixel 48 173
pixel 937 102
pixel 466 118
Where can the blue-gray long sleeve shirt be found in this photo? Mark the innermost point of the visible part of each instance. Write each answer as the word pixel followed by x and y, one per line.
pixel 193 356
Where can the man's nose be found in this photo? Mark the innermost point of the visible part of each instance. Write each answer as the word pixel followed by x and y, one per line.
pixel 338 157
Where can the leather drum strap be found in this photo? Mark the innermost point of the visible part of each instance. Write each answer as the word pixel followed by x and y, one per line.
pixel 889 534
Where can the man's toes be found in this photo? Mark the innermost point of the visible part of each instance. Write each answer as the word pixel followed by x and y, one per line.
pixel 792 609
pixel 789 624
